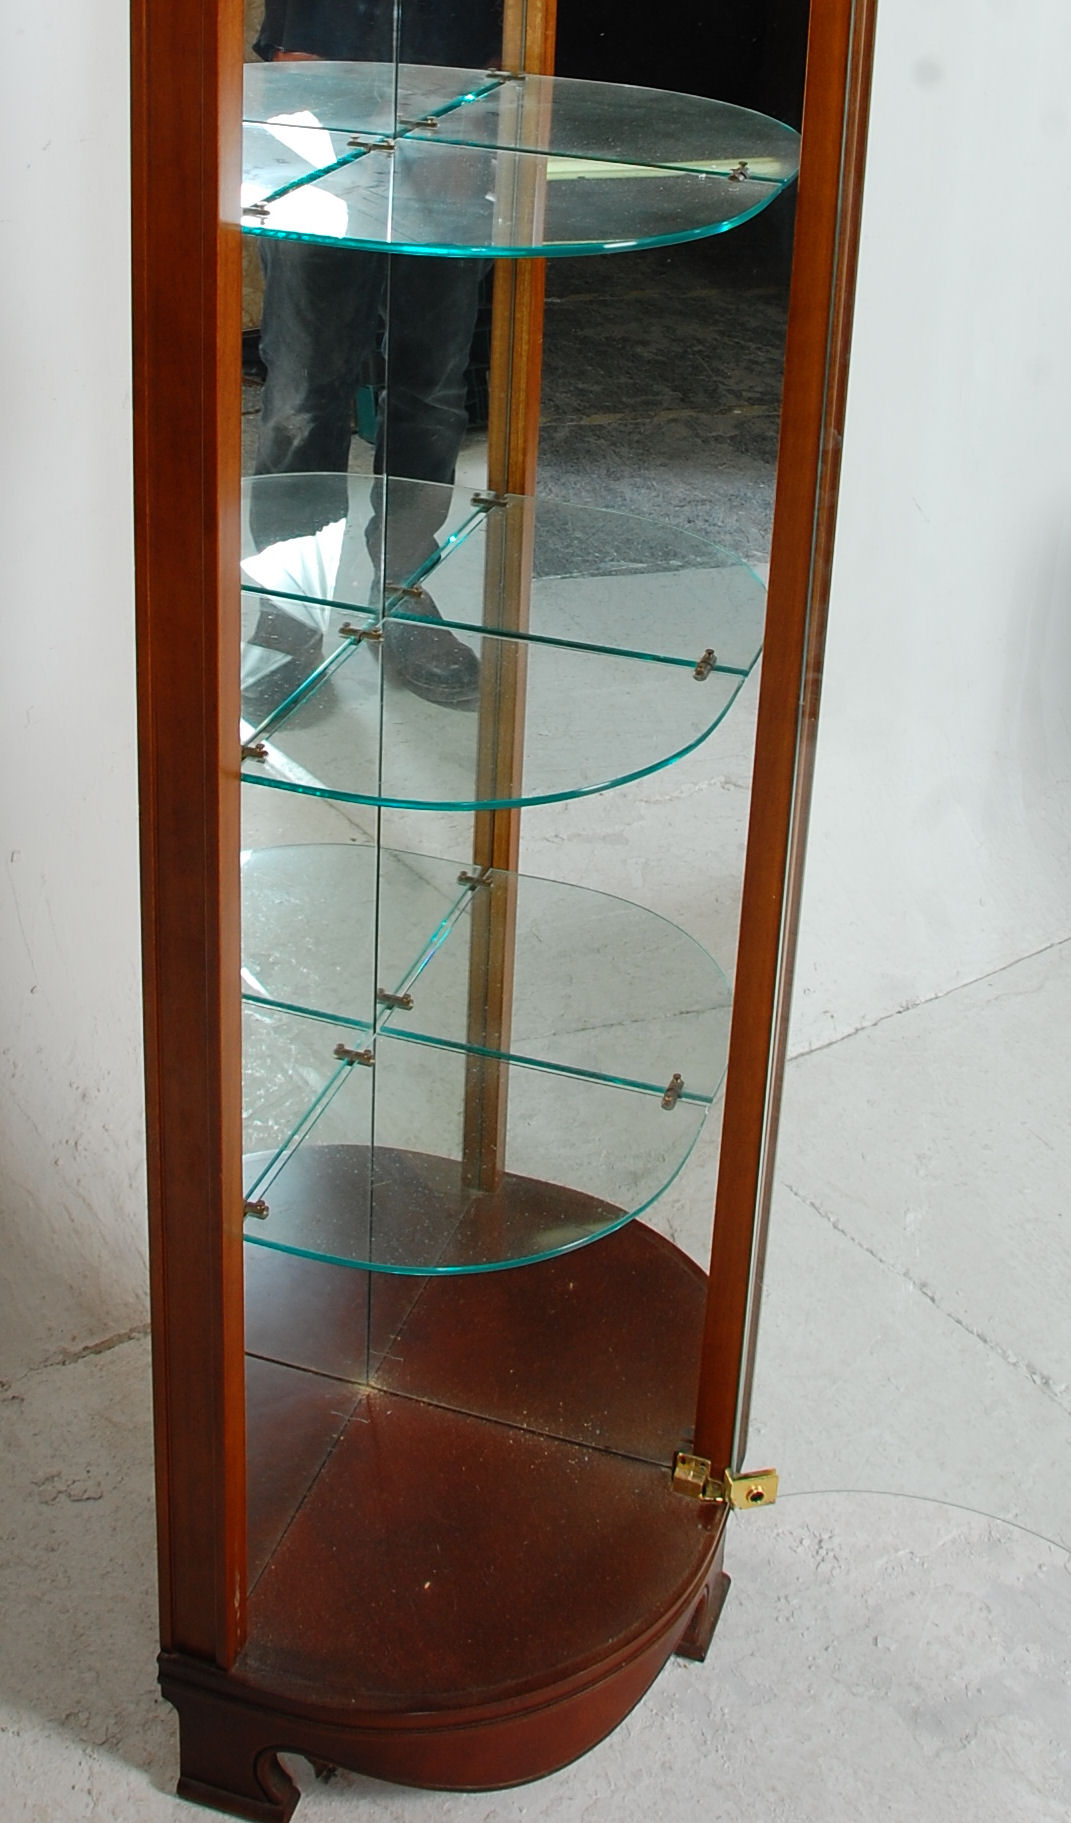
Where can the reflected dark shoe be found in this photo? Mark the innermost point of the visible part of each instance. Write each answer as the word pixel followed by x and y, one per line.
pixel 429 661
pixel 280 656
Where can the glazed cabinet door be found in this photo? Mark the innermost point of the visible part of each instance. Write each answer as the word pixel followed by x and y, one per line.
pixel 434 1123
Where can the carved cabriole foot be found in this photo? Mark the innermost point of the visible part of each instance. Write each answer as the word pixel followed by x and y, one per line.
pixel 695 1643
pixel 225 1761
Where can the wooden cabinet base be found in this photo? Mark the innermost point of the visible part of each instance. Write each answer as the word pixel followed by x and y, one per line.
pixel 231 1734
pixel 469 1561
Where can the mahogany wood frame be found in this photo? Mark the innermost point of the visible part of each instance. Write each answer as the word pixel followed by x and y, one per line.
pixel 186 258
pixel 512 449
pixel 186 58
pixel 840 56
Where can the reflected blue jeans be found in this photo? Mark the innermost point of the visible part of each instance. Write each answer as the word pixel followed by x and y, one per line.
pixel 321 318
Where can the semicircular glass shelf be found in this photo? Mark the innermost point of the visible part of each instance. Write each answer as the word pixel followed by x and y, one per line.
pixel 627 651
pixel 469 162
pixel 361 1055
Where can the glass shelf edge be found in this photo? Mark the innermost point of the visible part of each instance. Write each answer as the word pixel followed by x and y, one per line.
pixel 461 1048
pixel 268 1003
pixel 558 643
pixel 587 249
pixel 298 1134
pixel 335 794
pixel 610 168
pixel 447 923
pixel 467 1271
pixel 478 628
pixel 308 686
pixel 314 176
pixel 452 1272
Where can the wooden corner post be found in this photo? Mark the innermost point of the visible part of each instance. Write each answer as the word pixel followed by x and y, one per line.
pixel 840 56
pixel 512 447
pixel 186 143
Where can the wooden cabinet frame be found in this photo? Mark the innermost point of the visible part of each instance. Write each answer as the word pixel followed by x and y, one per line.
pixel 187 66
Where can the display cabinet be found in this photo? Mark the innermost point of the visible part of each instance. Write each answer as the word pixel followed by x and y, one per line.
pixel 448 1433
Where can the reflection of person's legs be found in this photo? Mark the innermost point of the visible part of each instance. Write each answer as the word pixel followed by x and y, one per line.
pixel 321 309
pixel 431 309
pixel 431 305
pixel 321 313
pixel 319 319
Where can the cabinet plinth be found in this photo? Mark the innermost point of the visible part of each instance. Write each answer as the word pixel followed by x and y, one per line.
pixel 476 1629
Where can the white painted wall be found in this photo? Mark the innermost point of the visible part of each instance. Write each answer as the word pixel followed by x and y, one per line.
pixel 941 835
pixel 72 1264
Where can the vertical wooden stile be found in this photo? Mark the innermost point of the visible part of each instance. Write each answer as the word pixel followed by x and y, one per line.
pixel 840 56
pixel 512 448
pixel 186 144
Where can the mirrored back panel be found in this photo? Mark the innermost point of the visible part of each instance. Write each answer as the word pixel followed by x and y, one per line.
pixel 531 1033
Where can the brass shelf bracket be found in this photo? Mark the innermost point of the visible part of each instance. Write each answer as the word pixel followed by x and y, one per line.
pixel 345 1055
pixel 404 1001
pixel 674 1090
